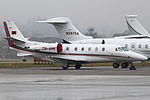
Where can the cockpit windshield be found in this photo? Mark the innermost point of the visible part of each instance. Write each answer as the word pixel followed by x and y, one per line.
pixel 122 49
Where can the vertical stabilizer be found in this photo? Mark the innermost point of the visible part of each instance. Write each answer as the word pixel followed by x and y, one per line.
pixel 134 25
pixel 66 29
pixel 12 31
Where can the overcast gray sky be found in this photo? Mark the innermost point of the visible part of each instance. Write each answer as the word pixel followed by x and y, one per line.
pixel 106 16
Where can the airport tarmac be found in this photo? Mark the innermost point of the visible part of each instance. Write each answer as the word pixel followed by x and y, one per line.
pixel 89 83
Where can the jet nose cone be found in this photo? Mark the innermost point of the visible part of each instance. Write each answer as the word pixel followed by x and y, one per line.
pixel 141 57
pixel 137 56
pixel 144 58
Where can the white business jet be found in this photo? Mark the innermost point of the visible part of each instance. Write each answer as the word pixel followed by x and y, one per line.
pixel 68 53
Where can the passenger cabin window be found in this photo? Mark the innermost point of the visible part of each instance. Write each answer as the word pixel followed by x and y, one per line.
pixel 82 49
pixel 89 49
pixel 146 46
pixel 96 49
pixel 26 47
pixel 139 45
pixel 132 46
pixel 103 49
pixel 126 45
pixel 75 48
pixel 67 48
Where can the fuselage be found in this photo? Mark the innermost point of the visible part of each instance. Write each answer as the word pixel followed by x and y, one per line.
pixel 86 52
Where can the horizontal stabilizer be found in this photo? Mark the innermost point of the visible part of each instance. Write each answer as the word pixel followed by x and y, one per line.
pixel 23 54
pixel 14 40
pixel 59 20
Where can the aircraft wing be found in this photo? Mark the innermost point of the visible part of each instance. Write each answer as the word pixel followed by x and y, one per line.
pixel 133 36
pixel 69 58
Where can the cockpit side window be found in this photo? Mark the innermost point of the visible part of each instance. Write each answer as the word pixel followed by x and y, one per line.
pixel 124 49
pixel 119 49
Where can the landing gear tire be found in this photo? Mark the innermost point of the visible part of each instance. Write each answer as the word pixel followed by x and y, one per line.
pixel 24 60
pixel 124 65
pixel 65 66
pixel 78 66
pixel 132 66
pixel 116 65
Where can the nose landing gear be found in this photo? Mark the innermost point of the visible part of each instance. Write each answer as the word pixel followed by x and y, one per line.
pixel 132 67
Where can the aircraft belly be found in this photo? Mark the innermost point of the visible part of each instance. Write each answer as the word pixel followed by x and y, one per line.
pixel 79 58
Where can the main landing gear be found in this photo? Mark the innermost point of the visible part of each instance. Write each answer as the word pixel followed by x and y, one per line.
pixel 78 66
pixel 116 65
pixel 124 65
pixel 66 66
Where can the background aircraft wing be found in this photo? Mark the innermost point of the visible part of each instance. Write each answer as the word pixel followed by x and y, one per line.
pixel 132 37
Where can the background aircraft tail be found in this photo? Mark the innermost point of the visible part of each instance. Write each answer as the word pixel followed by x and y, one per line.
pixel 66 29
pixel 134 25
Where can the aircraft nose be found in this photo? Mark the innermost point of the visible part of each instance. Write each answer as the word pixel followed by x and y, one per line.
pixel 143 57
pixel 140 57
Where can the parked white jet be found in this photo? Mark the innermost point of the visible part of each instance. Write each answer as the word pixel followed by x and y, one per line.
pixel 70 34
pixel 68 53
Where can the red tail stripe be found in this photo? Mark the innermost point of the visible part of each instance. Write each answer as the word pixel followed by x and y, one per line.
pixel 6 30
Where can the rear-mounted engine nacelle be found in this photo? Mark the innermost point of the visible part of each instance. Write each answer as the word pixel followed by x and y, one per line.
pixel 59 48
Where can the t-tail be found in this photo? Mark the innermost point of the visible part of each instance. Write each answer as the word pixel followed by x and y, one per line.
pixel 13 33
pixel 66 29
pixel 15 38
pixel 134 26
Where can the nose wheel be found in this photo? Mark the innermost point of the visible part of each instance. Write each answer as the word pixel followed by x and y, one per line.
pixel 132 67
